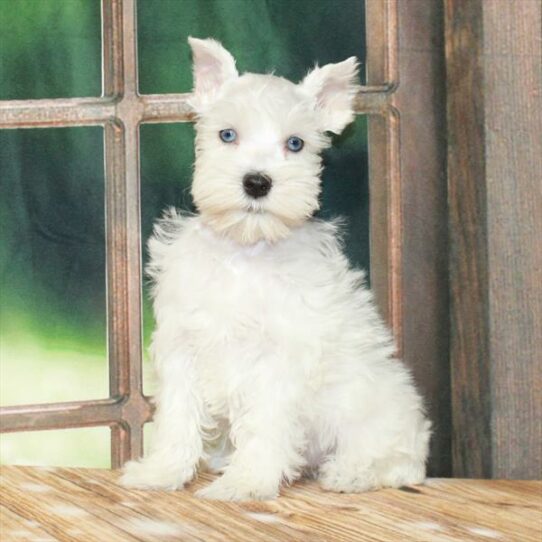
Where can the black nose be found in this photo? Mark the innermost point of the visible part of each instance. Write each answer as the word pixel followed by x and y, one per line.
pixel 256 185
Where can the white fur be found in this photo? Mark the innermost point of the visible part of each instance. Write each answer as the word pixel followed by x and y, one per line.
pixel 271 357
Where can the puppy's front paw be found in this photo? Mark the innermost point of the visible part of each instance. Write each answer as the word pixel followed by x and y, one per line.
pixel 228 488
pixel 149 474
pixel 347 479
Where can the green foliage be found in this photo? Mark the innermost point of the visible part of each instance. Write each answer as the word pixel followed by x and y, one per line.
pixel 49 48
pixel 263 35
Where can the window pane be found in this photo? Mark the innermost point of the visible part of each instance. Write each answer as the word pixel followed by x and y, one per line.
pixel 346 189
pixel 52 266
pixel 50 49
pixel 291 38
pixel 167 155
pixel 148 435
pixel 88 447
pixel 283 35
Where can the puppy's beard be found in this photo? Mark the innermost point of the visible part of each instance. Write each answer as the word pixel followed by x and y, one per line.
pixel 248 226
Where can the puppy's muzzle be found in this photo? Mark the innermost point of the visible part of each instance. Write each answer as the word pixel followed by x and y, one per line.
pixel 256 185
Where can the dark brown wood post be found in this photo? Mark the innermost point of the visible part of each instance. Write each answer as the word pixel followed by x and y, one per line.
pixel 494 108
pixel 407 160
pixel 420 101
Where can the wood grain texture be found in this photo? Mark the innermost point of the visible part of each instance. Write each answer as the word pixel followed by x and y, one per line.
pixel 69 505
pixel 381 71
pixel 513 78
pixel 407 169
pixel 420 101
pixel 469 349
pixel 494 86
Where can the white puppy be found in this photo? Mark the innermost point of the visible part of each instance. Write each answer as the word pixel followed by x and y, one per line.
pixel 270 354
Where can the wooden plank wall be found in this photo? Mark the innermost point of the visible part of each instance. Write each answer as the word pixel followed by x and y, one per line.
pixel 494 112
pixel 407 158
pixel 420 102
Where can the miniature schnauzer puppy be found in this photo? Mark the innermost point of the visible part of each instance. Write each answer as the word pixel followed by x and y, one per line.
pixel 271 358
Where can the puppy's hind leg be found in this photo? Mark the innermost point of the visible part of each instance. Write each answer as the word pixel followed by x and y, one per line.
pixel 350 467
pixel 350 470
pixel 384 447
pixel 177 444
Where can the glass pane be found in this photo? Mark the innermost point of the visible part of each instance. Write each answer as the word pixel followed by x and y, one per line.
pixel 52 266
pixel 148 435
pixel 290 36
pixel 88 447
pixel 50 49
pixel 346 189
pixel 167 155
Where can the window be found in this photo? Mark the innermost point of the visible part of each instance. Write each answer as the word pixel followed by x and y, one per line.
pixel 401 101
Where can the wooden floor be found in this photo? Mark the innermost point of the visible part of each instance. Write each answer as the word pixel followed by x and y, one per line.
pixel 57 504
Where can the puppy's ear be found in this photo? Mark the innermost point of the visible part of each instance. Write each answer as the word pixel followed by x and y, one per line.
pixel 333 87
pixel 213 66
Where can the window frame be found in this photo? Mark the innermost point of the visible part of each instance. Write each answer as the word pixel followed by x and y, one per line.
pixel 120 111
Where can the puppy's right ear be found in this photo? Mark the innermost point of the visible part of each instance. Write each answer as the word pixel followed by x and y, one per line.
pixel 213 66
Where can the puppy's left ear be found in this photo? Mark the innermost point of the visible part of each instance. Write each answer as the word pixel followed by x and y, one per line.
pixel 334 87
pixel 213 66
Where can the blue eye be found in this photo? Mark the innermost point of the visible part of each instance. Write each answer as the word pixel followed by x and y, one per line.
pixel 229 135
pixel 295 144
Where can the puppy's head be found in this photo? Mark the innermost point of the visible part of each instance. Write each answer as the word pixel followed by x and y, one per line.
pixel 258 142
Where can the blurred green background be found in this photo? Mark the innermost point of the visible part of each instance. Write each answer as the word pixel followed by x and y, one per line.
pixel 52 238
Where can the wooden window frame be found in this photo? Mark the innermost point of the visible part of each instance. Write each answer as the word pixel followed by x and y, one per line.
pixel 406 109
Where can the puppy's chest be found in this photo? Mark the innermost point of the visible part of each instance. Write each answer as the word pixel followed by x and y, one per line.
pixel 241 296
pixel 241 288
pixel 242 314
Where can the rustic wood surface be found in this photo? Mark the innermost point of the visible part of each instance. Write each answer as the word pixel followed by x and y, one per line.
pixel 60 504
pixel 423 237
pixel 494 106
pixel 407 172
